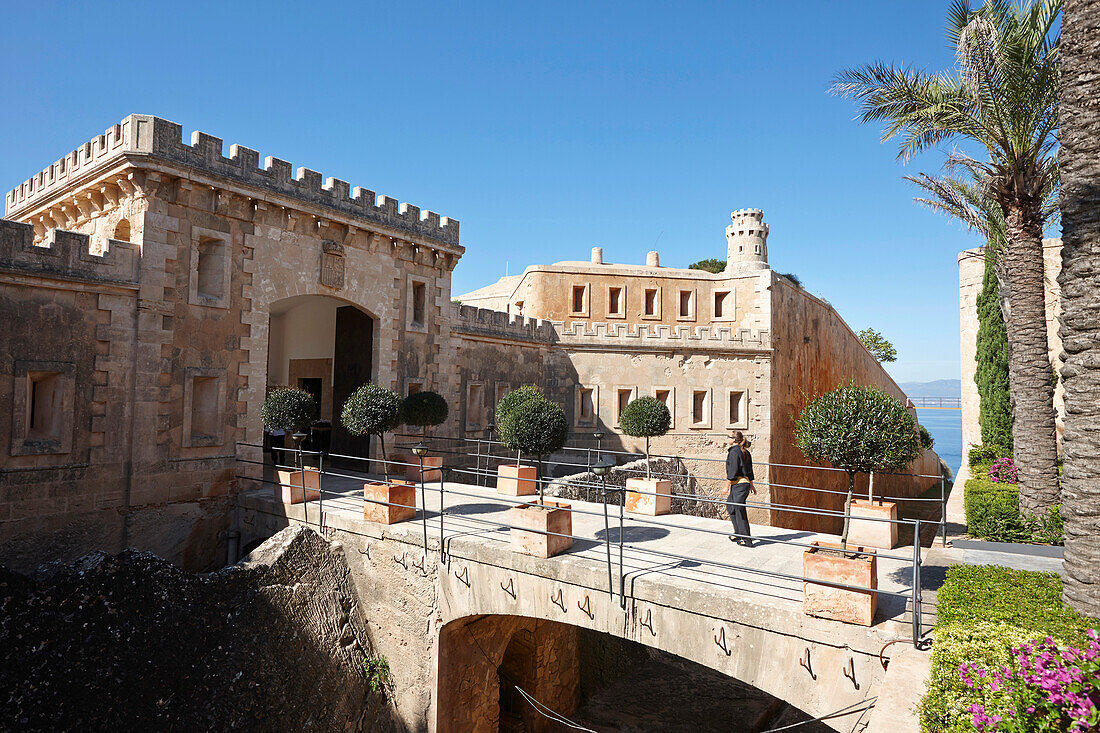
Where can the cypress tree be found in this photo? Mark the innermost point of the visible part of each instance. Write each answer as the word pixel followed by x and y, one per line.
pixel 991 372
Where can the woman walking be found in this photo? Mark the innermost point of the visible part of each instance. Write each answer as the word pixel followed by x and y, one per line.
pixel 739 478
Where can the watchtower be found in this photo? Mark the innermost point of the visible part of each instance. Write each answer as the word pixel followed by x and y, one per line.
pixel 746 241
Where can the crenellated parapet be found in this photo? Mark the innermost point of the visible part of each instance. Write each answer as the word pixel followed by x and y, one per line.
pixel 140 136
pixel 497 324
pixel 659 335
pixel 67 257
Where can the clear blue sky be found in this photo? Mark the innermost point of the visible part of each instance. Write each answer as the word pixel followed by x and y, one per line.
pixel 545 128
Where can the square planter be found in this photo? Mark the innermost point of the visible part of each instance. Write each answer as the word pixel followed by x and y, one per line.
pixel 400 498
pixel 515 480
pixel 869 533
pixel 432 466
pixel 648 496
pixel 825 562
pixel 295 487
pixel 531 524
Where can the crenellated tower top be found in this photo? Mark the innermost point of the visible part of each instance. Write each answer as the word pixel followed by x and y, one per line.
pixel 746 241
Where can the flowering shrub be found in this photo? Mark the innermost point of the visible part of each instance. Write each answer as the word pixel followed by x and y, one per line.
pixel 1003 471
pixel 1046 688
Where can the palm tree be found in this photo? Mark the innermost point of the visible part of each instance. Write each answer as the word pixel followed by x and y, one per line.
pixel 1003 97
pixel 1080 280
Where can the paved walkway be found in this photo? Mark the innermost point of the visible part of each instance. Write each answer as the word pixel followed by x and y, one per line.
pixel 683 550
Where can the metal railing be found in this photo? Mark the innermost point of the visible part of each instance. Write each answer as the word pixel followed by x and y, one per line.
pixel 457 481
pixel 939 403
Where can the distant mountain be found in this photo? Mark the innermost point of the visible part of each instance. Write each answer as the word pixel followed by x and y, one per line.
pixel 939 388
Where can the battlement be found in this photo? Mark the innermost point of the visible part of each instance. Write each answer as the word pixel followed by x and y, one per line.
pixel 67 257
pixel 757 214
pixel 145 135
pixel 497 324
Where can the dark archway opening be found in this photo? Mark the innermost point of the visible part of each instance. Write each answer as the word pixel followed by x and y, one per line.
pixel 516 670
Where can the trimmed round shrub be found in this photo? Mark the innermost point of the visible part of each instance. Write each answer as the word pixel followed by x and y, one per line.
pixel 535 427
pixel 645 417
pixel 371 410
pixel 424 409
pixel 288 408
pixel 514 398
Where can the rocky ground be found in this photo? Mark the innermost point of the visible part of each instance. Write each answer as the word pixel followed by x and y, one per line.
pixel 130 642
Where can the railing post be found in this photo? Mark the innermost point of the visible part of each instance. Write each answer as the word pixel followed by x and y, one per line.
pixel 916 585
pixel 442 559
pixel 943 511
pixel 424 507
pixel 622 572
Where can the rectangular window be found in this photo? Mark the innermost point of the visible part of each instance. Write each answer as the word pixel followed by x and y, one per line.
pixel 586 406
pixel 45 406
pixel 720 304
pixel 738 409
pixel 700 407
pixel 615 302
pixel 211 269
pixel 578 299
pixel 651 302
pixel 419 296
pixel 667 397
pixel 502 389
pixel 415 387
pixel 475 408
pixel 687 303
pixel 204 409
pixel 624 397
pixel 663 396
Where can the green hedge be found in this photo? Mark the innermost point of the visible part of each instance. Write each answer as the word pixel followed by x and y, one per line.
pixel 982 613
pixel 993 513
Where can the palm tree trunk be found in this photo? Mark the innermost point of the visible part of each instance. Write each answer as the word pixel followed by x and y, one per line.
pixel 1080 281
pixel 1029 370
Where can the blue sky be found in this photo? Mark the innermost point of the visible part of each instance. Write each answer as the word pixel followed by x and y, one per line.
pixel 545 128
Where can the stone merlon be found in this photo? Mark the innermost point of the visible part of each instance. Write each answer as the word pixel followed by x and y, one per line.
pixel 146 136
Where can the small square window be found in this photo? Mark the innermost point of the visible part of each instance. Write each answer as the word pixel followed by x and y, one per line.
pixel 580 305
pixel 43 402
pixel 720 299
pixel 414 387
pixel 687 304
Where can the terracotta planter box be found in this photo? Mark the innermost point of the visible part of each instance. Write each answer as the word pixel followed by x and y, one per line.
pixel 432 466
pixel 648 496
pixel 868 533
pixel 824 562
pixel 515 480
pixel 290 487
pixel 400 498
pixel 531 523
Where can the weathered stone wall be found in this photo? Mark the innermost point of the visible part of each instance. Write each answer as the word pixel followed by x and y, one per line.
pixel 816 351
pixel 130 642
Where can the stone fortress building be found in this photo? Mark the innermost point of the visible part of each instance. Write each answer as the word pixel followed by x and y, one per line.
pixel 155 289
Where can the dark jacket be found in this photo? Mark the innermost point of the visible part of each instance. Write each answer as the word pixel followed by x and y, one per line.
pixel 738 464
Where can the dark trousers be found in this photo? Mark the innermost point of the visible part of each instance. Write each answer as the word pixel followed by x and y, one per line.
pixel 735 504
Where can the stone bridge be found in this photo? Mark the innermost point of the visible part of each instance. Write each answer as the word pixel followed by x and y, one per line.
pixel 449 621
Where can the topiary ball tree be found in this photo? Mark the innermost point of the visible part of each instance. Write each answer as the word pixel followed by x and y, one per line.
pixel 536 427
pixel 372 410
pixel 859 430
pixel 288 408
pixel 512 400
pixel 645 417
pixel 424 409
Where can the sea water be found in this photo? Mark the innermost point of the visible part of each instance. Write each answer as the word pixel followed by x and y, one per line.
pixel 946 429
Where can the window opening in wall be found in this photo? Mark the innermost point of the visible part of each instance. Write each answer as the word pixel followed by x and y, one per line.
pixel 663 395
pixel 578 299
pixel 519 307
pixel 419 302
pixel 311 385
pixel 211 268
pixel 624 396
pixel 685 303
pixel 698 406
pixel 474 410
pixel 615 301
pixel 587 408
pixel 122 231
pixel 45 406
pixel 204 408
pixel 720 304
pixel 651 301
pixel 415 387
pixel 737 407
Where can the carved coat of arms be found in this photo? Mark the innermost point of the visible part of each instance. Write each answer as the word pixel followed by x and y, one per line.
pixel 332 265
